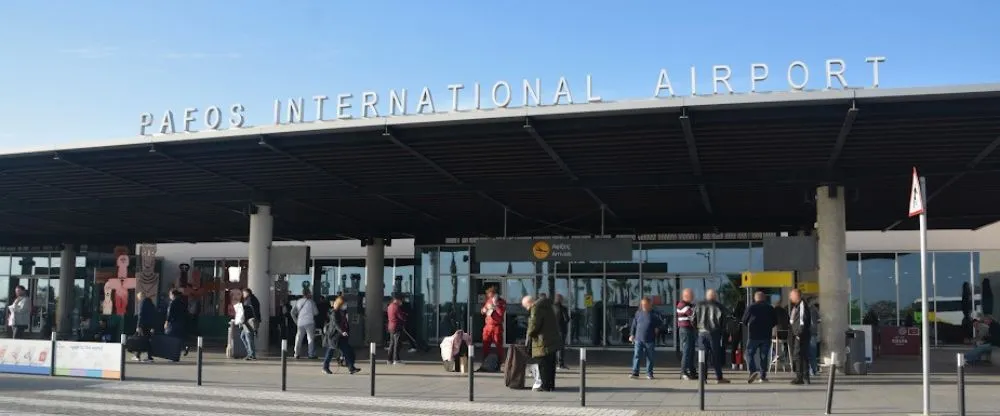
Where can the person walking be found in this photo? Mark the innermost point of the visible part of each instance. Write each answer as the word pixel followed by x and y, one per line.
pixel 177 316
pixel 759 318
pixel 145 322
pixel 18 313
pixel 645 328
pixel 687 333
pixel 543 333
pixel 304 314
pixel 244 319
pixel 397 324
pixel 562 313
pixel 710 318
pixel 336 337
pixel 800 324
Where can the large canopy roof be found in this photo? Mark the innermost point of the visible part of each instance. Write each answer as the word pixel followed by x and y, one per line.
pixel 698 164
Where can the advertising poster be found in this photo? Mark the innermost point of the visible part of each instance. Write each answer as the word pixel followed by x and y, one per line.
pixel 24 356
pixel 89 359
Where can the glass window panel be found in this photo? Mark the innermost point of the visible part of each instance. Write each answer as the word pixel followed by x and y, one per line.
pixel 756 256
pixel 586 302
pixel 454 260
pixel 388 277
pixel 681 258
pixel 5 262
pixel 987 269
pixel 854 276
pixel 298 282
pixel 5 291
pixel 453 301
pixel 623 294
pixel 878 287
pixel 909 285
pixel 951 273
pixel 662 294
pixel 405 273
pixel 352 274
pixel 732 257
pixel 427 286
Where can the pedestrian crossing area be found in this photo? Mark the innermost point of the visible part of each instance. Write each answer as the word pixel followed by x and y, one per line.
pixel 158 399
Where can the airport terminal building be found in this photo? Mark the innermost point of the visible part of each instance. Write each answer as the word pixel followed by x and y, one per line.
pixel 601 202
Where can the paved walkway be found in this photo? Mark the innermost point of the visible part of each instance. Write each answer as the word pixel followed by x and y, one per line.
pixel 253 388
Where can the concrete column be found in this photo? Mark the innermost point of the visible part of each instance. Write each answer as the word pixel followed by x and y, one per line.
pixel 834 298
pixel 258 276
pixel 67 276
pixel 374 271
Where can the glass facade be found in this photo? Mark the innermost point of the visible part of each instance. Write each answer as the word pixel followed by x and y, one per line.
pixel 601 296
pixel 886 287
pixel 38 272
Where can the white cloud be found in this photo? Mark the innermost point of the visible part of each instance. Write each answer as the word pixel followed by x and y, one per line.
pixel 202 55
pixel 91 52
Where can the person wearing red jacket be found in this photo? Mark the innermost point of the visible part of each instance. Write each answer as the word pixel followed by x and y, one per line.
pixel 397 321
pixel 493 311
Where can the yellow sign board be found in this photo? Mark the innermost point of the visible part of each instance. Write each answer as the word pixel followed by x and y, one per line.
pixel 588 301
pixel 809 288
pixel 768 279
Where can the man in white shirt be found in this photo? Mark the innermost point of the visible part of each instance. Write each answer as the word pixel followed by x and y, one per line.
pixel 18 313
pixel 304 313
pixel 240 318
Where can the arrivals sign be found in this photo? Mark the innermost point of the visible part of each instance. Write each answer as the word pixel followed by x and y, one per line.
pixel 600 249
pixel 457 97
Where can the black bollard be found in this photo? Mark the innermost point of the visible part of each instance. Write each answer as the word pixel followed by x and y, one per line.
pixel 371 351
pixel 468 367
pixel 200 357
pixel 583 377
pixel 961 384
pixel 284 364
pixel 702 379
pixel 830 383
pixel 52 354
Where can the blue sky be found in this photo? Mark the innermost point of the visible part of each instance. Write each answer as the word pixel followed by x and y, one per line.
pixel 73 72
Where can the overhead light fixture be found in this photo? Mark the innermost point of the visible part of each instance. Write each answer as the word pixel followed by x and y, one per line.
pixel 261 141
pixel 152 148
pixel 55 156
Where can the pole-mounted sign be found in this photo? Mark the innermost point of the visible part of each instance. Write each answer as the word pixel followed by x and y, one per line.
pixel 918 207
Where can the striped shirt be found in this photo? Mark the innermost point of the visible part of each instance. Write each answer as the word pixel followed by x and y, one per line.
pixel 685 315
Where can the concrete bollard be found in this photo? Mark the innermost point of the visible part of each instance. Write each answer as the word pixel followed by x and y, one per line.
pixel 124 341
pixel 52 354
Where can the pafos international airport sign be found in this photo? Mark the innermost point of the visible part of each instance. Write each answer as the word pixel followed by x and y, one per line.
pixel 501 94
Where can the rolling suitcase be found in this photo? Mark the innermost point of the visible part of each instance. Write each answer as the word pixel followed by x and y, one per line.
pixel 515 365
pixel 166 347
pixel 234 345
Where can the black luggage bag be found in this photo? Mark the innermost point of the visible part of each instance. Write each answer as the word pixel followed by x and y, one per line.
pixel 515 366
pixel 166 347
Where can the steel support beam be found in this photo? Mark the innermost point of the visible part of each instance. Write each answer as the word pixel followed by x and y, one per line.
pixel 544 144
pixel 692 147
pixel 337 178
pixel 123 179
pixel 845 130
pixel 969 168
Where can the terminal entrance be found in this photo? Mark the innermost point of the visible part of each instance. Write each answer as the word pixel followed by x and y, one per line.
pixel 600 305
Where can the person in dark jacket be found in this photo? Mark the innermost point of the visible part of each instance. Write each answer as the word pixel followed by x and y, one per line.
pixel 543 334
pixel 177 316
pixel 336 335
pixel 146 322
pixel 800 330
pixel 759 319
pixel 710 318
pixel 645 327
pixel 397 324
pixel 562 314
pixel 250 299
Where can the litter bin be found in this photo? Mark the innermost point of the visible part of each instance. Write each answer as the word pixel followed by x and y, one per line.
pixel 855 361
